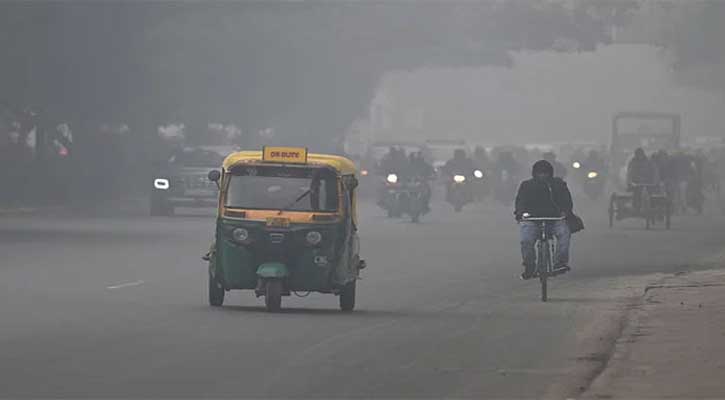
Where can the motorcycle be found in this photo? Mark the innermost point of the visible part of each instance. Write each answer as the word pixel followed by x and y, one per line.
pixel 593 184
pixel 480 187
pixel 407 197
pixel 459 192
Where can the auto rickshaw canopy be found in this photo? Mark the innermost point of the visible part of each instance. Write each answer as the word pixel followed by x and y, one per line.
pixel 342 165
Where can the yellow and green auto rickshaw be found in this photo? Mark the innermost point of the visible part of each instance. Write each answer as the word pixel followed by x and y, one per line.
pixel 286 224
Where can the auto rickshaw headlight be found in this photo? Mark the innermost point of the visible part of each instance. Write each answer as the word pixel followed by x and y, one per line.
pixel 314 238
pixel 392 178
pixel 240 235
pixel 459 178
pixel 592 175
pixel 161 183
pixel 478 173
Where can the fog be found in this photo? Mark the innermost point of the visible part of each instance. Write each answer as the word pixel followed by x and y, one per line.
pixel 146 253
pixel 544 97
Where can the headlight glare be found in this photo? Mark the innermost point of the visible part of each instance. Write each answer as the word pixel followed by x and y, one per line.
pixel 576 165
pixel 392 178
pixel 161 183
pixel 478 173
pixel 592 175
pixel 459 178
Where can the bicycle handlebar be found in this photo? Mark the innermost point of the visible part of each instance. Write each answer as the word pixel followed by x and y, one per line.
pixel 543 219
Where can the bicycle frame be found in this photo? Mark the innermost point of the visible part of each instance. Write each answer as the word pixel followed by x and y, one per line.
pixel 545 246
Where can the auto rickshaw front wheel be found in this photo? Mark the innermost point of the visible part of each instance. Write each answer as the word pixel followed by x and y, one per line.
pixel 347 296
pixel 273 295
pixel 216 292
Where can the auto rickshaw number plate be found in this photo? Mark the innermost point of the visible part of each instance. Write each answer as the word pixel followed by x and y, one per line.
pixel 278 222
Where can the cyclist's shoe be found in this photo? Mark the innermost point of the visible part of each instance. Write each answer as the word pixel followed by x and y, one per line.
pixel 561 269
pixel 528 273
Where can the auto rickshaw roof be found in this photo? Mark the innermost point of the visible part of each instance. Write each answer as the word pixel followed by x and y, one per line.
pixel 342 165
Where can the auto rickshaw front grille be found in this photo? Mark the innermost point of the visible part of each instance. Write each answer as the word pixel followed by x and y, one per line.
pixel 276 238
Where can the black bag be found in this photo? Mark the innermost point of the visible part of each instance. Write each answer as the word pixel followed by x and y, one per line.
pixel 575 223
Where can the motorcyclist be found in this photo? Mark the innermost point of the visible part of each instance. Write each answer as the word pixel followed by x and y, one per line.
pixel 595 162
pixel 419 169
pixel 560 170
pixel 394 162
pixel 507 172
pixel 460 164
pixel 640 171
pixel 480 158
pixel 483 164
pixel 543 196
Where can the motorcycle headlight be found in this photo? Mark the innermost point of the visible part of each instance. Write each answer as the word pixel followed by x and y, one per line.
pixel 161 183
pixel 392 178
pixel 314 238
pixel 478 173
pixel 459 178
pixel 240 235
pixel 576 165
pixel 592 175
pixel 364 172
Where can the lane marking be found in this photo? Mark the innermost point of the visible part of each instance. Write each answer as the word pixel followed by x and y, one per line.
pixel 123 285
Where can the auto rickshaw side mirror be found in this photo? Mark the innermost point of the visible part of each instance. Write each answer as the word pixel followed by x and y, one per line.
pixel 214 176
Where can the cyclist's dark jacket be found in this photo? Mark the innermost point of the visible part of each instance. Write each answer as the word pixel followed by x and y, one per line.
pixel 543 198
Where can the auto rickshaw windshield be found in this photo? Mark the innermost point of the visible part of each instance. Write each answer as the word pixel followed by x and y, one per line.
pixel 277 188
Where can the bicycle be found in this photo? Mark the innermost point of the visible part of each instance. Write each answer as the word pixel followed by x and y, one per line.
pixel 545 247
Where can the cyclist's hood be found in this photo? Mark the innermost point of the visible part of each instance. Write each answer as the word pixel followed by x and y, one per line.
pixel 542 167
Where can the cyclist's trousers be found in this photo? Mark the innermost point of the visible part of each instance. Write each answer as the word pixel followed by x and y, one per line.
pixel 530 231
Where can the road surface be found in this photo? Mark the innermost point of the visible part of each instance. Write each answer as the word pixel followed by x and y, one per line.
pixel 116 307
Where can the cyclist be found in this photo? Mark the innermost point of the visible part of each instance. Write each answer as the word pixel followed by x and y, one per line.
pixel 543 196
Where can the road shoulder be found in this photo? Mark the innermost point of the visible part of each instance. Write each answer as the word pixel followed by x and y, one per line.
pixel 671 343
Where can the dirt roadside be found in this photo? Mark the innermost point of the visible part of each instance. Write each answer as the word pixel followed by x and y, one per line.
pixel 672 342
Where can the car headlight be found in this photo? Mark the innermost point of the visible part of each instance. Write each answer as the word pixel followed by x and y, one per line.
pixel 392 178
pixel 314 238
pixel 161 183
pixel 478 173
pixel 240 235
pixel 592 175
pixel 576 165
pixel 459 178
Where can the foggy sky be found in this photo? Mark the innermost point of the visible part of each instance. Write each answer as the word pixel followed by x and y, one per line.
pixel 306 69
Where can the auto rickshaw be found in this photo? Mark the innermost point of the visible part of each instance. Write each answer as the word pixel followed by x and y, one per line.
pixel 286 224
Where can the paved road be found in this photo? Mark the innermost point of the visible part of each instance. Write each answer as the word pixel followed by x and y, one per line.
pixel 116 307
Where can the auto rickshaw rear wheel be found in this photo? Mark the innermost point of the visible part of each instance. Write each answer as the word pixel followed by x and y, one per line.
pixel 216 292
pixel 273 295
pixel 347 296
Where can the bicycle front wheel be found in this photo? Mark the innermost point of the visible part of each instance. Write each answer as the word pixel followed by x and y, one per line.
pixel 546 263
